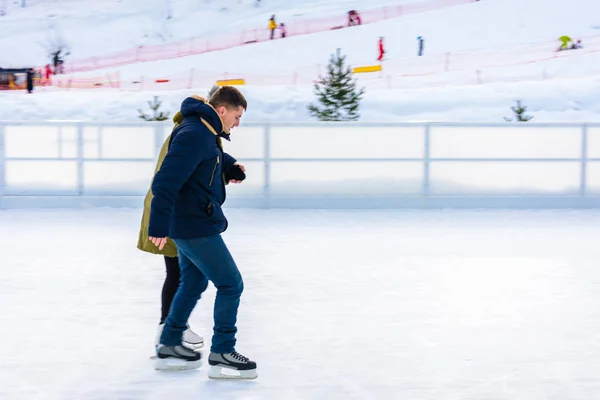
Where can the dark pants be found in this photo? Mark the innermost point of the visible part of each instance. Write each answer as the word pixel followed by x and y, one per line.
pixel 201 260
pixel 170 286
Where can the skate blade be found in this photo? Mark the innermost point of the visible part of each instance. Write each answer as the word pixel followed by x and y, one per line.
pixel 218 372
pixel 193 346
pixel 175 364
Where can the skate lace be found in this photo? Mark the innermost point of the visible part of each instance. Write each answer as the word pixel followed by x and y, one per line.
pixel 239 357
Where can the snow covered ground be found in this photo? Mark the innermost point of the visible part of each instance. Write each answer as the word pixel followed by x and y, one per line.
pixel 104 26
pixel 478 87
pixel 469 28
pixel 567 99
pixel 337 305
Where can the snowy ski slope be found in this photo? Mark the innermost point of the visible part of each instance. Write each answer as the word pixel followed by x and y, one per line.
pixel 498 52
pixel 92 28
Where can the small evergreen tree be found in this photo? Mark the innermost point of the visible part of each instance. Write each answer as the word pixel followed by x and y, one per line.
pixel 157 116
pixel 337 92
pixel 519 112
pixel 213 90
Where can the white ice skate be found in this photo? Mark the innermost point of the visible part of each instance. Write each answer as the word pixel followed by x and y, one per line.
pixel 176 358
pixel 191 339
pixel 231 366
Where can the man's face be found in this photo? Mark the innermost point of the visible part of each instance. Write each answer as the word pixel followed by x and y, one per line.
pixel 231 116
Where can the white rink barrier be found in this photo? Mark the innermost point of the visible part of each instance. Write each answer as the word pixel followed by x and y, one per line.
pixel 315 165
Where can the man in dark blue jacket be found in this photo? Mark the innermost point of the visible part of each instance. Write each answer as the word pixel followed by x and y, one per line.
pixel 189 191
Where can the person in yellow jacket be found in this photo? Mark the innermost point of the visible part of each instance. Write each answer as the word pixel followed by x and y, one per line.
pixel 272 26
pixel 190 339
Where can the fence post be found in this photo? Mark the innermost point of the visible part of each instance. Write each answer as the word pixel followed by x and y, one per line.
pixel 2 164
pixel 99 142
pixel 426 161
pixel 80 159
pixel 583 179
pixel 191 82
pixel 59 142
pixel 158 139
pixel 267 162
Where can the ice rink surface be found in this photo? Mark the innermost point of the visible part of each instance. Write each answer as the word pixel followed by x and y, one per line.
pixel 415 305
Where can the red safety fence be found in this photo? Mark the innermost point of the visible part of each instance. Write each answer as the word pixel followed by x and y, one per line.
pixel 431 70
pixel 199 45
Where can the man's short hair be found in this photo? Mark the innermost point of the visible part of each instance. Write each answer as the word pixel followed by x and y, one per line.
pixel 229 97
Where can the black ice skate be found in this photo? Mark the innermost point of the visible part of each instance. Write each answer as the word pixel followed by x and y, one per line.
pixel 177 358
pixel 231 366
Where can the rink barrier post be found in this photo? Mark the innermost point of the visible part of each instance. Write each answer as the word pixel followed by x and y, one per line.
pixel 158 139
pixel 2 162
pixel 426 152
pixel 267 164
pixel 583 182
pixel 80 159
pixel 59 141
pixel 99 141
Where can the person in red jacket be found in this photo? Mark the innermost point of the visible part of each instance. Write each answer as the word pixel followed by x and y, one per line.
pixel 381 49
pixel 353 18
pixel 48 72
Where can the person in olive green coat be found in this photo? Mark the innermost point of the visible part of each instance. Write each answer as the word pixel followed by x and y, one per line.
pixel 169 251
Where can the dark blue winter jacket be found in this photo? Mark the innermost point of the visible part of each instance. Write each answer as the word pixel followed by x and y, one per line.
pixel 188 188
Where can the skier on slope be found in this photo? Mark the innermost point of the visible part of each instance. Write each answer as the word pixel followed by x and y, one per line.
pixel 272 26
pixel 381 49
pixel 47 72
pixel 282 30
pixel 30 74
pixel 421 42
pixel 353 18
pixel 564 42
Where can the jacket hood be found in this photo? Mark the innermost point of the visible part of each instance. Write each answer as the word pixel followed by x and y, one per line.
pixel 198 106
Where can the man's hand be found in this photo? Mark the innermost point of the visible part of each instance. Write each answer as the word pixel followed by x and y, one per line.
pixel 159 242
pixel 243 170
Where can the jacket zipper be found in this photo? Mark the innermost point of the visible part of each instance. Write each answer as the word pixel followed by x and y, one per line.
pixel 213 172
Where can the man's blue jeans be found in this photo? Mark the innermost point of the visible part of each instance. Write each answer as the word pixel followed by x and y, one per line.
pixel 201 260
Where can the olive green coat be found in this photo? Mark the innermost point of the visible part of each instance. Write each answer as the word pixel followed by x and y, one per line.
pixel 144 243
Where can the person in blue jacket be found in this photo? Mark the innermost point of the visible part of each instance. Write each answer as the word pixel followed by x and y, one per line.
pixel 189 191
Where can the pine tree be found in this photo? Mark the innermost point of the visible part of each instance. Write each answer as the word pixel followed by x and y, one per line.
pixel 337 92
pixel 519 112
pixel 213 90
pixel 157 116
